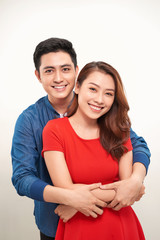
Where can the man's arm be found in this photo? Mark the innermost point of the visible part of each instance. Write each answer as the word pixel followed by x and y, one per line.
pixel 129 190
pixel 141 152
pixel 66 212
pixel 25 157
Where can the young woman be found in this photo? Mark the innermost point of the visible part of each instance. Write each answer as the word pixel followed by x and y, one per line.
pixel 93 145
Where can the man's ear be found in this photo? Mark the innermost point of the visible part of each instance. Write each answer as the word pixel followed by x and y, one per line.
pixel 38 76
pixel 77 70
pixel 77 88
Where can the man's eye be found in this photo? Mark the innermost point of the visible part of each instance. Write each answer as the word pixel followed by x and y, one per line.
pixel 48 71
pixel 66 69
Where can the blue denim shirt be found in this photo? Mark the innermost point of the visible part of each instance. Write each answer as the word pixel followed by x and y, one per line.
pixel 30 175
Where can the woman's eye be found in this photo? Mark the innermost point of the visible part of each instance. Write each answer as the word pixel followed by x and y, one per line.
pixel 109 94
pixel 92 89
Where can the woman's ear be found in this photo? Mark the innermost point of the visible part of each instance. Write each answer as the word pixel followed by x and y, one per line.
pixel 77 88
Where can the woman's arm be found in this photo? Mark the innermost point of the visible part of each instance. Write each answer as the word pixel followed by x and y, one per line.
pixel 61 178
pixel 60 175
pixel 125 165
pixel 125 171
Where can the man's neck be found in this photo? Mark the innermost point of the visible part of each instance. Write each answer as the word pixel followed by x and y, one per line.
pixel 61 105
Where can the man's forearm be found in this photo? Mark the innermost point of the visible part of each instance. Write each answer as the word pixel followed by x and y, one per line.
pixel 139 172
pixel 142 158
pixel 104 195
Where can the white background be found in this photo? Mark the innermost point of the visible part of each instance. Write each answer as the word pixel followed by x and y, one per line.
pixel 124 33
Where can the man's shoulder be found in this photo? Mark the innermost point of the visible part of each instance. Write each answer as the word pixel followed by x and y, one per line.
pixel 32 112
pixel 35 107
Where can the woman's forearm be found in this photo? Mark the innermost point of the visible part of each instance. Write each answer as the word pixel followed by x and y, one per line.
pixel 104 195
pixel 54 194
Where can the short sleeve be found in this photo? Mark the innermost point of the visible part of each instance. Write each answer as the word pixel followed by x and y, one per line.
pixel 128 145
pixel 51 136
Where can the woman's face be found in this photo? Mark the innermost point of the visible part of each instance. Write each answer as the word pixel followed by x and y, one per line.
pixel 95 95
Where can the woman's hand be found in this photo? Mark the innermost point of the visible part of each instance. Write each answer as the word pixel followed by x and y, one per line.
pixel 84 201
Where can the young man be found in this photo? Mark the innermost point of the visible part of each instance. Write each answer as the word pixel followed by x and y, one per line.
pixel 56 69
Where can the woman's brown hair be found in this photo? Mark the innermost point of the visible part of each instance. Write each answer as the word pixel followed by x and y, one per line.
pixel 115 124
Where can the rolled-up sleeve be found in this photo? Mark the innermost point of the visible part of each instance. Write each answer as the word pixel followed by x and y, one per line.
pixel 141 152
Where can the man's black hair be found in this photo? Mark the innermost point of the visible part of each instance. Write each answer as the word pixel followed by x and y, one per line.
pixel 53 45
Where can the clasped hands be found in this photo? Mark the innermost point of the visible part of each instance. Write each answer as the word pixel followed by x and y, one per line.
pixel 126 192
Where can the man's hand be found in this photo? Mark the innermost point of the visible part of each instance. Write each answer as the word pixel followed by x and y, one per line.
pixel 127 192
pixel 85 202
pixel 141 193
pixel 65 212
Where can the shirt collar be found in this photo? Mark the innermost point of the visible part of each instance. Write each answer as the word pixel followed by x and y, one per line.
pixel 49 105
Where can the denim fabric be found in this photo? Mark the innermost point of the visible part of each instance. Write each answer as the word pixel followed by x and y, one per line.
pixel 141 152
pixel 30 175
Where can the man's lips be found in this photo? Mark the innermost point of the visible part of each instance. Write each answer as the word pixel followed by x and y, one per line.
pixel 59 88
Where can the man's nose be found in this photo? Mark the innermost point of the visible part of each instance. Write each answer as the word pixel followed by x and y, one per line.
pixel 58 77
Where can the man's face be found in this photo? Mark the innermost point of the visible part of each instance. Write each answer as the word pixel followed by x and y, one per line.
pixel 57 75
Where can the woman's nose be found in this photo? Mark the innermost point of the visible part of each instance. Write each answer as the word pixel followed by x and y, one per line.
pixel 99 98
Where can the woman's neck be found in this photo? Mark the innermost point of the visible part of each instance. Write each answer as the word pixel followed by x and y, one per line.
pixel 84 127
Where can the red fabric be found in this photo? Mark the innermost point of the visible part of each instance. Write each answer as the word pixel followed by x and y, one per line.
pixel 88 163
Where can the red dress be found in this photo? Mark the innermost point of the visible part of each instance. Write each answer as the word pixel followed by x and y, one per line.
pixel 88 163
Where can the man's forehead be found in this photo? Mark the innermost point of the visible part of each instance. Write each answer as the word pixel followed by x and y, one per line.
pixel 56 59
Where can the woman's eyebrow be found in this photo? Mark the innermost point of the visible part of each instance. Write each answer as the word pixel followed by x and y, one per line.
pixel 108 89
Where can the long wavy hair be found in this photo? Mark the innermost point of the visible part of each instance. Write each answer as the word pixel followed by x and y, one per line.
pixel 115 124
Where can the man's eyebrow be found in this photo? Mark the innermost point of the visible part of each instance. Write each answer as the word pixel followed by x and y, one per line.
pixel 46 67
pixel 109 89
pixel 64 65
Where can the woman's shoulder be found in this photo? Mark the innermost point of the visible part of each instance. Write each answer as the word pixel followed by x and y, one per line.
pixel 56 128
pixel 57 123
